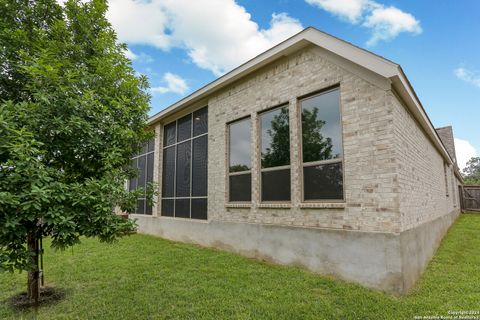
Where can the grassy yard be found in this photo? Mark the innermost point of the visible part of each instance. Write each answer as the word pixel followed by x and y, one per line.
pixel 143 277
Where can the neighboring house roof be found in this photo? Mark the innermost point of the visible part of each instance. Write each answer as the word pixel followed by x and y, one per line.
pixel 446 136
pixel 310 35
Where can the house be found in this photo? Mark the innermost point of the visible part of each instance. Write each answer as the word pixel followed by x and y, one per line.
pixel 315 153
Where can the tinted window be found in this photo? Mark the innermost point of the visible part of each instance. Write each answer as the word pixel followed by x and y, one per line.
pixel 199 166
pixel 200 121
pixel 276 185
pixel 169 134
pixel 240 187
pixel 184 128
pixel 239 136
pixel 275 138
pixel 323 182
pixel 321 127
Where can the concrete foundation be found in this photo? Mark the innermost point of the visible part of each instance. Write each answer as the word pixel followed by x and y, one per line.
pixel 419 244
pixel 385 261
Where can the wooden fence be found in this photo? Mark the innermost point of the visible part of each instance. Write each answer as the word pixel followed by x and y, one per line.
pixel 470 198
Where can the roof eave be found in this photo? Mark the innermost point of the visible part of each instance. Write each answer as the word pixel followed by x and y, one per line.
pixel 283 49
pixel 375 63
pixel 364 58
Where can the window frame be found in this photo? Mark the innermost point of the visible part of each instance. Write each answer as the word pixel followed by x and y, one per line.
pixel 259 152
pixel 340 160
pixel 238 173
pixel 446 171
pixel 174 145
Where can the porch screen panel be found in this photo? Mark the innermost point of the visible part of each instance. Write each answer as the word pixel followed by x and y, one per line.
pixel 143 163
pixel 200 121
pixel 199 208
pixel 167 207
pixel 184 168
pixel 168 181
pixel 184 126
pixel 199 167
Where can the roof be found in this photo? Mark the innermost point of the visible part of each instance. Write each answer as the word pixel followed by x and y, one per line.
pixel 446 136
pixel 357 55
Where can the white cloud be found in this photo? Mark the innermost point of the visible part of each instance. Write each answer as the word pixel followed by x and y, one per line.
pixel 469 76
pixel 388 23
pixel 139 22
pixel 352 10
pixel 218 35
pixel 173 84
pixel 140 57
pixel 130 55
pixel 385 23
pixel 464 152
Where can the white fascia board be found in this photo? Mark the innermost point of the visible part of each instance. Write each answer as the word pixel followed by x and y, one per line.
pixel 364 58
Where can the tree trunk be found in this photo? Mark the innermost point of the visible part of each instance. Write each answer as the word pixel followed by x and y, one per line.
pixel 33 290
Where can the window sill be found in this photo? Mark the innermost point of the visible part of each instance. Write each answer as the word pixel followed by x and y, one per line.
pixel 275 205
pixel 238 205
pixel 183 219
pixel 322 205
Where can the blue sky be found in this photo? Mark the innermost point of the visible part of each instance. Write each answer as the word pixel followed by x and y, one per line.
pixel 181 45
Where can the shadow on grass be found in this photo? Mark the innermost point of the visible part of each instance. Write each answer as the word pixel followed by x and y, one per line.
pixel 48 296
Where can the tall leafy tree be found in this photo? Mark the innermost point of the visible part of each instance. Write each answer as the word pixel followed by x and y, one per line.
pixel 72 113
pixel 471 173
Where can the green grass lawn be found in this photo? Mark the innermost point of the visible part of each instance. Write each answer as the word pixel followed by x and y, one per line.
pixel 143 277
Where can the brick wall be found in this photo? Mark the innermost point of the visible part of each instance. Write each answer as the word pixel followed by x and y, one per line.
pixel 393 176
pixel 426 182
pixel 371 200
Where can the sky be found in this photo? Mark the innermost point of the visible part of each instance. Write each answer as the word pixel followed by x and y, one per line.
pixel 182 45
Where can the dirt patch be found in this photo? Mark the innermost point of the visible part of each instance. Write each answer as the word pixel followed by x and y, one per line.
pixel 48 296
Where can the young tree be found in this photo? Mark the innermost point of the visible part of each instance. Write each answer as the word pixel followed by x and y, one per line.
pixel 72 114
pixel 471 173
